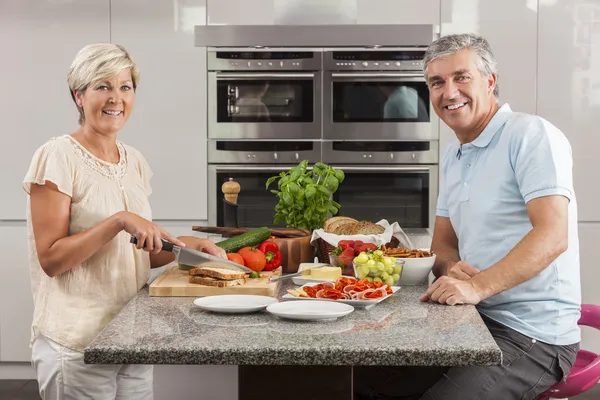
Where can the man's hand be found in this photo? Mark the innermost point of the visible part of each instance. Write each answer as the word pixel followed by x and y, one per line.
pixel 461 270
pixel 452 291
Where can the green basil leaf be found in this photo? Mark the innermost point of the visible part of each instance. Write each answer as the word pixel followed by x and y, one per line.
pixel 339 175
pixel 283 181
pixel 332 183
pixel 294 188
pixel 295 174
pixel 308 213
pixel 287 198
pixel 333 209
pixel 310 192
pixel 270 180
pixel 324 190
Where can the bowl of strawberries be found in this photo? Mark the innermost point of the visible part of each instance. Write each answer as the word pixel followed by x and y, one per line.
pixel 345 251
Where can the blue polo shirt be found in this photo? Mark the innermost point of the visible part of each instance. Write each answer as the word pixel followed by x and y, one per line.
pixel 485 187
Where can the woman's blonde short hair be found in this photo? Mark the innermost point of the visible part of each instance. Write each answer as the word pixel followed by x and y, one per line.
pixel 96 63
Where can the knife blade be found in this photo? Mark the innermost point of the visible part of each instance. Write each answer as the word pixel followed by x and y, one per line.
pixel 192 257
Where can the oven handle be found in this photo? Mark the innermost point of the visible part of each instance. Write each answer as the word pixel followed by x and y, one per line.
pixel 343 168
pixel 252 168
pixel 384 168
pixel 250 75
pixel 375 75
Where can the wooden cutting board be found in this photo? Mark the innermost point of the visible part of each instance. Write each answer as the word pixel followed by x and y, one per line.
pixel 175 283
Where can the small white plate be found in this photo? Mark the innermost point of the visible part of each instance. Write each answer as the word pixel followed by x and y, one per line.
pixel 354 303
pixel 234 303
pixel 310 310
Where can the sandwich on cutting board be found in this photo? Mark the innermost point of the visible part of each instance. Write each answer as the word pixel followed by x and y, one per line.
pixel 215 276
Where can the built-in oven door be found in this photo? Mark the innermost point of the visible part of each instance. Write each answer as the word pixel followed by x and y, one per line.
pixel 264 105
pixel 406 194
pixel 378 106
pixel 255 203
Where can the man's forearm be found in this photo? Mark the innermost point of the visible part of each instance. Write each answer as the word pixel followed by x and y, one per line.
pixel 445 257
pixel 527 259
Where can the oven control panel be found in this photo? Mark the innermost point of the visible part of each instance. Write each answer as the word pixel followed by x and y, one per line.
pixel 395 60
pixel 263 61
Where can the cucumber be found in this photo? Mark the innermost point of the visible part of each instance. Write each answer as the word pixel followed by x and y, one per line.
pixel 250 238
pixel 184 267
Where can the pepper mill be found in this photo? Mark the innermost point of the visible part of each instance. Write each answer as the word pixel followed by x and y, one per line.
pixel 231 189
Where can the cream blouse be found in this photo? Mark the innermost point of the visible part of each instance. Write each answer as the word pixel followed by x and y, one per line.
pixel 73 308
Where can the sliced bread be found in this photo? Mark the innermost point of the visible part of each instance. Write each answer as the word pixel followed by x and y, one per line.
pixel 336 225
pixel 207 281
pixel 217 273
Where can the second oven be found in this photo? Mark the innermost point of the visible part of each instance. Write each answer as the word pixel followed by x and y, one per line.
pixel 377 95
pixel 264 95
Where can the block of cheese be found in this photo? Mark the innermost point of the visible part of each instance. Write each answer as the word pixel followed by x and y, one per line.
pixel 326 273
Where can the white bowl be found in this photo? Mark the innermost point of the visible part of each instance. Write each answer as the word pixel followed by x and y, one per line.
pixel 415 270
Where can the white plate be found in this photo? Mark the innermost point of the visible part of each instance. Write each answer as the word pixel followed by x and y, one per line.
pixel 353 303
pixel 310 310
pixel 234 303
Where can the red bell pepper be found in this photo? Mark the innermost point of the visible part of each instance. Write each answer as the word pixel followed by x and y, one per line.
pixel 272 253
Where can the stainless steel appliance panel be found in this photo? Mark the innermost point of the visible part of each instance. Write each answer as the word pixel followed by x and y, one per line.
pixel 379 152
pixel 377 106
pixel 264 60
pixel 263 152
pixel 287 107
pixel 256 204
pixel 406 194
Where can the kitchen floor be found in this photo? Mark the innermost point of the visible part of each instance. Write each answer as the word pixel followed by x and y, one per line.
pixel 28 390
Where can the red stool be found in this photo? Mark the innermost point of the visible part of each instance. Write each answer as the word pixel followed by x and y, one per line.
pixel 586 370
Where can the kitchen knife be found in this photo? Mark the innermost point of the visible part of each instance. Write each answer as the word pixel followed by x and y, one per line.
pixel 192 257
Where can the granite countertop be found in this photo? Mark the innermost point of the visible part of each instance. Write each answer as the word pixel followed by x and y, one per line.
pixel 398 331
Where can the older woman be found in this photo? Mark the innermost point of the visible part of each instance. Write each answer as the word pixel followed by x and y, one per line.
pixel 88 193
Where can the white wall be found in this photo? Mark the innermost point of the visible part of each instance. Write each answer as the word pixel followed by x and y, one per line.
pixel 547 52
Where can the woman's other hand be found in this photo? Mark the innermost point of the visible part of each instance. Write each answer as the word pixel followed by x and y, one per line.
pixel 208 246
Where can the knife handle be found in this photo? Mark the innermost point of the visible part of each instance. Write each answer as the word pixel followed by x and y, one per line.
pixel 166 246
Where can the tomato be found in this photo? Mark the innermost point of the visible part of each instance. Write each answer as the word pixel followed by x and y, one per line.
pixel 253 258
pixel 235 257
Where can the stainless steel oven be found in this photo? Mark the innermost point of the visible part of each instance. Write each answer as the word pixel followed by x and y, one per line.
pixel 395 180
pixel 251 164
pixel 377 94
pixel 264 94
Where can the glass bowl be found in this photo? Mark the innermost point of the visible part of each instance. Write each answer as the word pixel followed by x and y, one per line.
pixel 378 272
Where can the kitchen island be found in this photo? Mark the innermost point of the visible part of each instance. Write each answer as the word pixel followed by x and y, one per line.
pixel 400 331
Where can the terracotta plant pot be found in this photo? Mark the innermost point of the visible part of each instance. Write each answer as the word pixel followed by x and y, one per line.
pixel 295 251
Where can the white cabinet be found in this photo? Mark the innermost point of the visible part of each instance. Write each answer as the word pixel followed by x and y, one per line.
pixel 315 12
pixel 510 26
pixel 168 123
pixel 16 300
pixel 38 41
pixel 239 12
pixel 569 88
pixel 396 12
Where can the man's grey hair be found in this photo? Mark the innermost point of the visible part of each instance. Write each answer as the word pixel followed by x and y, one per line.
pixel 450 44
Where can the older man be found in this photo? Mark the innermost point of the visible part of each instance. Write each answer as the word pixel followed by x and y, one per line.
pixel 505 232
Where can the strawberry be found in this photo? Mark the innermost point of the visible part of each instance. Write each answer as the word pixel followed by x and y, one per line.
pixel 347 256
pixel 344 244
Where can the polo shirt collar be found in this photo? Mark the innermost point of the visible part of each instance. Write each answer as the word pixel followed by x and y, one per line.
pixel 493 126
